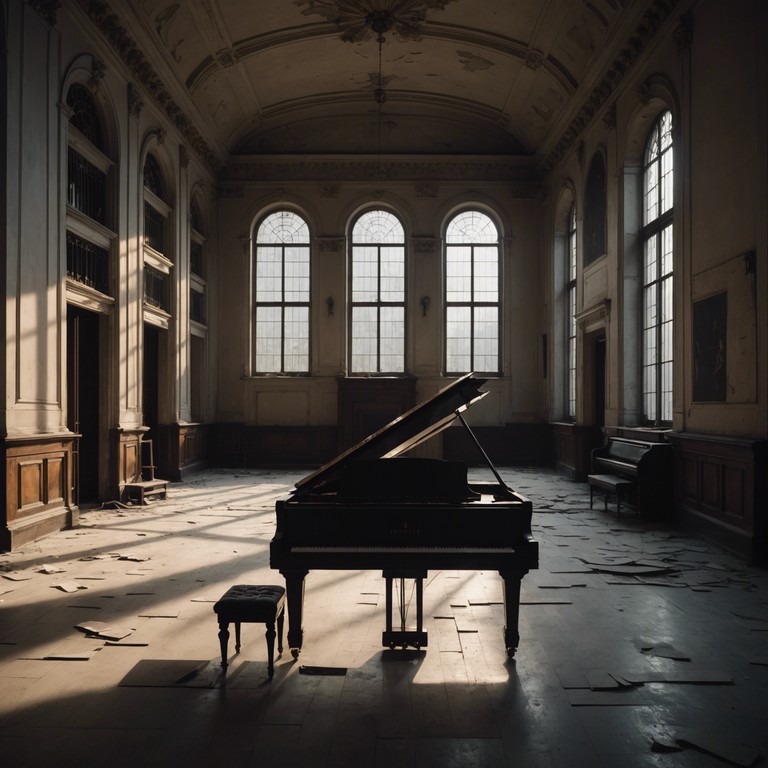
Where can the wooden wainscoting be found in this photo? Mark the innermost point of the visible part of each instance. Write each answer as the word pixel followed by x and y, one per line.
pixel 126 459
pixel 38 489
pixel 572 446
pixel 243 445
pixel 180 450
pixel 720 491
pixel 367 404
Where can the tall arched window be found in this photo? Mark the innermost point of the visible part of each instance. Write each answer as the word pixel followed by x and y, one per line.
pixel 378 294
pixel 570 287
pixel 157 251
pixel 197 265
pixel 657 272
pixel 472 294
pixel 281 290
pixel 87 193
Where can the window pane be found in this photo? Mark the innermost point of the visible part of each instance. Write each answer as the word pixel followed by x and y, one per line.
pixel 378 227
pixel 486 339
pixel 650 269
pixel 666 392
pixel 666 251
pixel 283 227
pixel 269 274
pixel 651 193
pixel 296 340
pixel 472 269
pixel 458 273
pixel 658 249
pixel 296 273
pixel 365 273
pixel 392 286
pixel 486 280
pixel 392 334
pixel 364 339
pixel 471 227
pixel 458 339
pixel 268 334
pixel 378 281
pixel 666 181
pixel 282 292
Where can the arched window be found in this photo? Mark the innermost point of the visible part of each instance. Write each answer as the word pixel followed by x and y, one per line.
pixel 87 193
pixel 281 290
pixel 472 294
pixel 378 294
pixel 197 265
pixel 657 272
pixel 85 116
pixel 570 287
pixel 157 252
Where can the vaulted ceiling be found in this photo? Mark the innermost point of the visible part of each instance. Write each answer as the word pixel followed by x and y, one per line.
pixel 456 76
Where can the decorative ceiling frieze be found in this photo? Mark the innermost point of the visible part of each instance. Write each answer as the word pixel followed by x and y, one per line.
pixel 48 9
pixel 109 25
pixel 495 169
pixel 653 19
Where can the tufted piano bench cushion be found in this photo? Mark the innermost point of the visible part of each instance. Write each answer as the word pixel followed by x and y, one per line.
pixel 251 603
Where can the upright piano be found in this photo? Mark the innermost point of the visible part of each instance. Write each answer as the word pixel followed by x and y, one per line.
pixel 374 508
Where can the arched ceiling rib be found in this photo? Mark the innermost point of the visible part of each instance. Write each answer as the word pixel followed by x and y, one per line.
pixel 491 77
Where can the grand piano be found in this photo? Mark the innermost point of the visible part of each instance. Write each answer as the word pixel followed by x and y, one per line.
pixel 374 508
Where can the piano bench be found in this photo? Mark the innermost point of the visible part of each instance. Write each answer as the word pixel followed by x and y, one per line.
pixel 250 603
pixel 610 484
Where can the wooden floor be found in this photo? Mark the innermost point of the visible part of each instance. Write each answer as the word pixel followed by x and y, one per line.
pixel 613 600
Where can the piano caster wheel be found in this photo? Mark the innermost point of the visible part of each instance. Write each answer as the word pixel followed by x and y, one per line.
pixel 511 653
pixel 295 653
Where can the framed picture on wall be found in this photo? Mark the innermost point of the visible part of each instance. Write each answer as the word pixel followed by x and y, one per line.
pixel 710 326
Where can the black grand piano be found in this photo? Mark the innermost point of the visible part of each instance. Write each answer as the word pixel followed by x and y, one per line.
pixel 373 508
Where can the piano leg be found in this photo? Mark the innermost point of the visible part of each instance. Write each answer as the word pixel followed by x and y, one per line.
pixel 294 588
pixel 512 581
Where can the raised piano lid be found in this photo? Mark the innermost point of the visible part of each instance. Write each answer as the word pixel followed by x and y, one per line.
pixel 403 433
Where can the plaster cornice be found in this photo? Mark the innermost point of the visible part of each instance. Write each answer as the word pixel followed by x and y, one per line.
pixel 109 25
pixel 652 20
pixel 444 168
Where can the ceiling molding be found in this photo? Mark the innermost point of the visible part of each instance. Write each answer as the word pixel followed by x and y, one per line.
pixel 124 46
pixel 653 19
pixel 446 168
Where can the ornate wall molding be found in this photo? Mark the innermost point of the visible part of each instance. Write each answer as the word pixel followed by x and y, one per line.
pixel 424 244
pixel 534 59
pixel 609 118
pixel 330 244
pixel 683 34
pixel 48 9
pixel 653 19
pixel 108 24
pixel 499 169
pixel 135 102
pixel 98 70
pixel 426 191
pixel 233 191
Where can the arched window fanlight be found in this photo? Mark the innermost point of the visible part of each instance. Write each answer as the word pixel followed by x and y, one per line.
pixel 85 116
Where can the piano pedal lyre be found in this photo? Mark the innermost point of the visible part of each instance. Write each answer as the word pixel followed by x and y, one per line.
pixel 403 637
